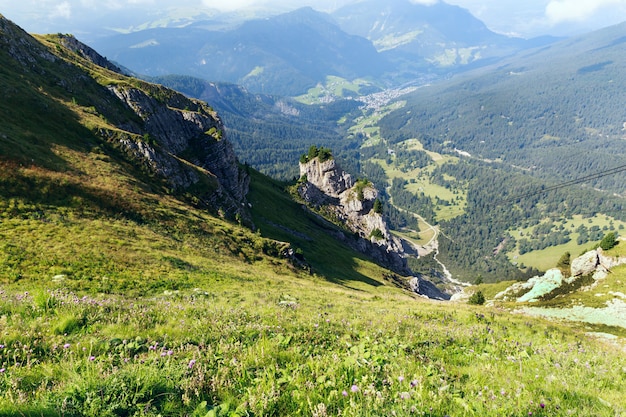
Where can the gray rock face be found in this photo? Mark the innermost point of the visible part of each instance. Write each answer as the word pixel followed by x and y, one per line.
pixel 585 264
pixel 327 176
pixel 352 205
pixel 593 263
pixel 73 44
pixel 181 140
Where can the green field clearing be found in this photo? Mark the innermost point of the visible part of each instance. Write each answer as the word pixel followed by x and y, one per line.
pixel 426 234
pixel 547 258
pixel 367 125
pixel 416 145
pixel 333 87
pixel 419 182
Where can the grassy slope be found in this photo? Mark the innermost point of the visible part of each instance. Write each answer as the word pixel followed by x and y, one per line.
pixel 117 299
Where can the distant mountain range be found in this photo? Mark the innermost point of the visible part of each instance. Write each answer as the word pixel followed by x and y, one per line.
pixel 389 43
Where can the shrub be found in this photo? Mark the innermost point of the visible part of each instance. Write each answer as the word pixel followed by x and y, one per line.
pixel 609 241
pixel 377 234
pixel 477 298
pixel 324 154
pixel 378 206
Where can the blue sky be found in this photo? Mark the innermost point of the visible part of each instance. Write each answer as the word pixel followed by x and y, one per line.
pixel 516 17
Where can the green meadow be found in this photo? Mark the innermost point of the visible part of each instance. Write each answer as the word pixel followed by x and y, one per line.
pixel 547 258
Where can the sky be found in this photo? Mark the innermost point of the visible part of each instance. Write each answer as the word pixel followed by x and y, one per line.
pixel 526 18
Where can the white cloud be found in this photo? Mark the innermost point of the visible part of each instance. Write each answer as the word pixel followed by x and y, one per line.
pixel 425 2
pixel 228 5
pixel 63 10
pixel 558 11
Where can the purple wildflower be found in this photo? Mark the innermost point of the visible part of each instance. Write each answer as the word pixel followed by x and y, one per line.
pixel 92 358
pixel 191 363
pixel 400 379
pixel 66 346
pixel 542 405
pixel 2 370
pixel 344 393
pixel 354 388
pixel 414 383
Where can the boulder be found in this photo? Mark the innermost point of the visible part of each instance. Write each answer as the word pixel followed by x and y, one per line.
pixel 544 285
pixel 584 265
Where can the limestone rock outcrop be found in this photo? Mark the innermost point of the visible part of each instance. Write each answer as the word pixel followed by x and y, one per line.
pixel 182 141
pixel 351 203
pixel 585 264
pixel 594 264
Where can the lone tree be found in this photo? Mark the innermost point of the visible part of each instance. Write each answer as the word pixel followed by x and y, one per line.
pixel 564 262
pixel 609 241
pixel 378 206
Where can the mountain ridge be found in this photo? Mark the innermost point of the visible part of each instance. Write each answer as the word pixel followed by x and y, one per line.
pixel 289 53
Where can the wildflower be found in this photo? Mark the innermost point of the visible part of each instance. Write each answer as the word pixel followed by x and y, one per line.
pixel 354 388
pixel 1 346
pixel 414 383
pixel 542 405
pixel 66 346
pixel 92 358
pixel 170 352
pixel 191 363
pixel 400 379
pixel 344 393
pixel 2 370
pixel 405 395
pixel 163 353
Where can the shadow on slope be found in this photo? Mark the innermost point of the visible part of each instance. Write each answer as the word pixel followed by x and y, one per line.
pixel 279 217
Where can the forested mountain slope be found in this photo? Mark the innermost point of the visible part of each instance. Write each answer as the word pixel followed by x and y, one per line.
pixel 538 139
pixel 556 111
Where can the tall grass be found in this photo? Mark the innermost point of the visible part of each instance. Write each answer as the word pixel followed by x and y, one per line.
pixel 241 351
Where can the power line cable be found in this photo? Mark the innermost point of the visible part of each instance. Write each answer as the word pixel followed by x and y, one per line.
pixel 594 176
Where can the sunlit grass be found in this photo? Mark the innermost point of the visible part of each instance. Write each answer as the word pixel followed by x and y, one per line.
pixel 288 349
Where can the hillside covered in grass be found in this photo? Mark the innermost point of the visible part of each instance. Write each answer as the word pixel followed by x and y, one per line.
pixel 130 290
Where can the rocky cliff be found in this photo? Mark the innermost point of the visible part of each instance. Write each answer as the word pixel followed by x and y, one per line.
pixel 172 137
pixel 327 187
pixel 182 140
